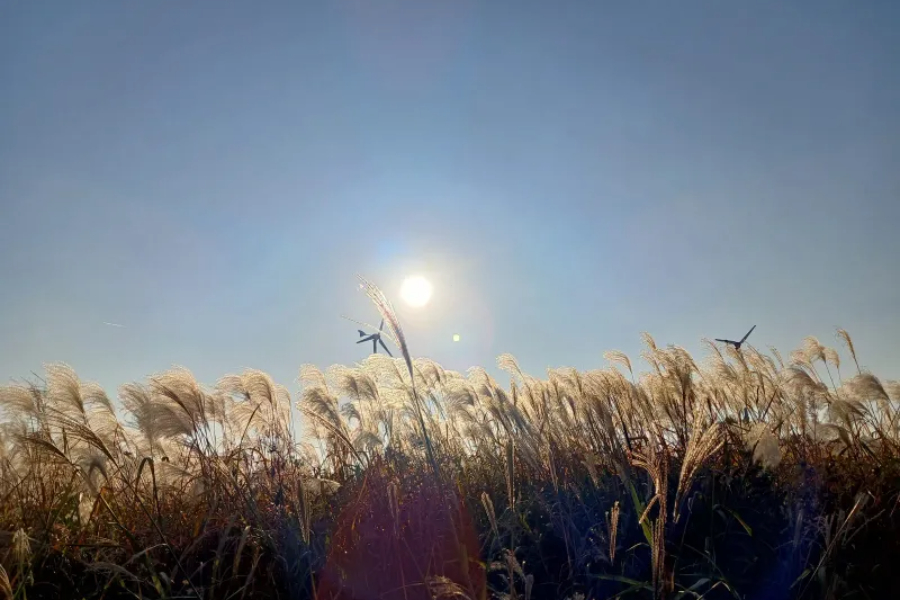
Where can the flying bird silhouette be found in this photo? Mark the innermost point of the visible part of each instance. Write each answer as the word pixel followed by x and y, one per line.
pixel 375 338
pixel 737 345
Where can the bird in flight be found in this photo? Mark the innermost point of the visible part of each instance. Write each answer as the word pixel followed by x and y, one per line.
pixel 375 338
pixel 112 324
pixel 737 345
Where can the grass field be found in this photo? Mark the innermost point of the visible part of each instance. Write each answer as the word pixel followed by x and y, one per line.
pixel 746 475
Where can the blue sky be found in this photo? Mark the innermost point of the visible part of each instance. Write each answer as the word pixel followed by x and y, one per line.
pixel 213 176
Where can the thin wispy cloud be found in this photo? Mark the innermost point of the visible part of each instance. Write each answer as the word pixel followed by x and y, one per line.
pixel 112 324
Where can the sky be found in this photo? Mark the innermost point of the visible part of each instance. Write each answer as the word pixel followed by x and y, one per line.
pixel 214 176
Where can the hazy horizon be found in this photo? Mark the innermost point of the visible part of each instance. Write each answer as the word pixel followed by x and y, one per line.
pixel 198 184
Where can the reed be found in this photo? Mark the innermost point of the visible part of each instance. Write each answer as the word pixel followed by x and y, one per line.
pixel 698 478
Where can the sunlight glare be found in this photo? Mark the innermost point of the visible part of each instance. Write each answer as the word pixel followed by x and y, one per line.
pixel 416 291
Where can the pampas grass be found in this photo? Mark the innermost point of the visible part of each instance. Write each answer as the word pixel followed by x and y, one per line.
pixel 666 483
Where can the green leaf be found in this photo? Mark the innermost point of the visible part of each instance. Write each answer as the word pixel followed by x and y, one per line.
pixel 746 527
pixel 639 509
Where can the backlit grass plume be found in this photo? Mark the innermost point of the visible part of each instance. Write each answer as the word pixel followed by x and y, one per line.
pixel 386 309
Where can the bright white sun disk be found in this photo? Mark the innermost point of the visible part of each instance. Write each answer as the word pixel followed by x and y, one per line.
pixel 416 291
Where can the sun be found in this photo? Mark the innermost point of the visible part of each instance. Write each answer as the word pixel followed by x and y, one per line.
pixel 416 291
